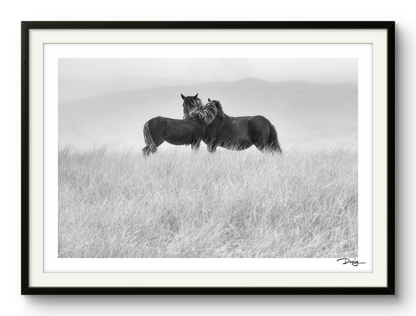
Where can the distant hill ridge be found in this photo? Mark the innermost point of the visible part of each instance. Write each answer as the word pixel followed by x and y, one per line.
pixel 246 81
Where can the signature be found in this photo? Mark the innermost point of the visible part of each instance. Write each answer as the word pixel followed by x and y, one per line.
pixel 354 262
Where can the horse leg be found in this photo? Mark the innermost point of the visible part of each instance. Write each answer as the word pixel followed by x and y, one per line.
pixel 266 148
pixel 261 147
pixel 195 145
pixel 212 148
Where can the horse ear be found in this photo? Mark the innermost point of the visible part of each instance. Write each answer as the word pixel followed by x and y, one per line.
pixel 183 97
pixel 196 95
pixel 209 100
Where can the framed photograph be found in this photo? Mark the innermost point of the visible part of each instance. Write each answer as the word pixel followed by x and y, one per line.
pixel 208 158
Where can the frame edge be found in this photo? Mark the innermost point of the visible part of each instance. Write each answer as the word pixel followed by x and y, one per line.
pixel 25 146
pixel 24 63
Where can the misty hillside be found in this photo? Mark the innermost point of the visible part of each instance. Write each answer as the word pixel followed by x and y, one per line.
pixel 303 113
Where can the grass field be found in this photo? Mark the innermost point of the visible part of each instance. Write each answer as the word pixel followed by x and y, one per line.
pixel 176 203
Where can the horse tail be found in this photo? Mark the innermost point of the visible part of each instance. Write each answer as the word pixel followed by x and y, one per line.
pixel 148 138
pixel 273 144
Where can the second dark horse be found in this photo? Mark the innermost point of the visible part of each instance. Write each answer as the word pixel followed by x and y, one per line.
pixel 239 133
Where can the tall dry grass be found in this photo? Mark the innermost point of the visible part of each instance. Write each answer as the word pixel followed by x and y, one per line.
pixel 177 203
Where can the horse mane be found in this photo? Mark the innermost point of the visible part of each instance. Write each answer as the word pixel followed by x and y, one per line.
pixel 206 113
pixel 218 106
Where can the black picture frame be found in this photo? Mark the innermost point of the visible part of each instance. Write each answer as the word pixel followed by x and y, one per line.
pixel 27 289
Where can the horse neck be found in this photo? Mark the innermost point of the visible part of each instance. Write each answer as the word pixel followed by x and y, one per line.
pixel 199 121
pixel 221 115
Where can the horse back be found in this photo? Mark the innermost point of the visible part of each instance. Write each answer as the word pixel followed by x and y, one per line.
pixel 258 120
pixel 167 124
pixel 157 123
pixel 241 122
pixel 258 125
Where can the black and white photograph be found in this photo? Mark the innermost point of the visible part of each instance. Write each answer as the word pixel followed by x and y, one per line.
pixel 208 158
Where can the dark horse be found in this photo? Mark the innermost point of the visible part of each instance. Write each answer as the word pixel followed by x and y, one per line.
pixel 189 130
pixel 239 133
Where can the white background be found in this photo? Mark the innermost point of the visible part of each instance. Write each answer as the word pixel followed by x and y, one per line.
pixel 52 52
pixel 49 164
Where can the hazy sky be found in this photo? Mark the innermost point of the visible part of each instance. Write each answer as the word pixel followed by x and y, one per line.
pixel 327 70
pixel 85 77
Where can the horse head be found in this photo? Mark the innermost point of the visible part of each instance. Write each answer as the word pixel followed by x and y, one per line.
pixel 217 105
pixel 206 114
pixel 190 103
